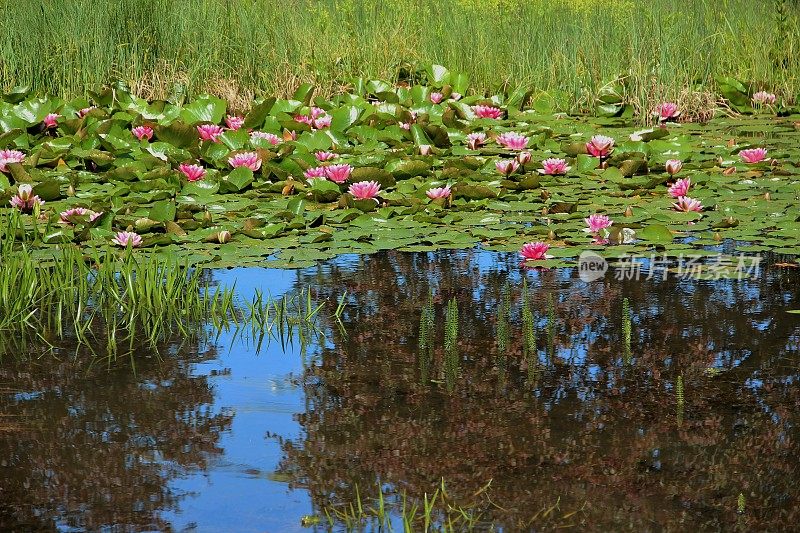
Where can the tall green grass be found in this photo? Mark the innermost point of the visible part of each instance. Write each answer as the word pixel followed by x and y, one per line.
pixel 242 48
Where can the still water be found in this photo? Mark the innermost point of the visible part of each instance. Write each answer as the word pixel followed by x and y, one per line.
pixel 217 435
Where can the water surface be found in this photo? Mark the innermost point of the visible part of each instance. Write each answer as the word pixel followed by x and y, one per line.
pixel 215 435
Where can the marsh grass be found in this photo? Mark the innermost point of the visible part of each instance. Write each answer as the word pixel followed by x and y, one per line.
pixel 116 304
pixel 238 49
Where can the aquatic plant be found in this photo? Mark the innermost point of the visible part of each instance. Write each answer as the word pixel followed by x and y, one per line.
pixel 365 190
pixel 554 167
pixel 687 205
pixel 596 223
pixel 600 146
pixel 487 111
pixel 512 140
pixel 452 354
pixel 436 193
pixel 753 155
pixel 142 132
pixel 680 188
pixel 127 238
pixel 8 156
pixel 673 166
pixel 534 251
pixel 247 160
pixel 192 172
pixel 626 331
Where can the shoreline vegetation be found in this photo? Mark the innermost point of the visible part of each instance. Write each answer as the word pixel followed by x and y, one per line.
pixel 573 50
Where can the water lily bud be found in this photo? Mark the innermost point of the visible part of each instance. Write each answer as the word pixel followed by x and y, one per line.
pixel 728 171
pixel 207 217
pixel 224 236
pixel 523 158
pixel 767 196
pixel 71 190
pixel 673 166
pixel 551 235
pixel 628 212
pixel 545 211
pixel 717 236
pixel 288 188
pixel 544 194
pixel 424 149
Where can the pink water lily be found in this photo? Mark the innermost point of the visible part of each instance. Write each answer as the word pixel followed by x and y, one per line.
pixel 506 167
pixel 325 156
pixel 680 188
pixel 476 140
pixel 315 173
pixel 51 120
pixel 554 167
pixel 487 111
pixel 763 98
pixel 686 205
pixel 271 138
pixel 142 132
pixel 365 190
pixel 534 251
pixel 338 173
pixel 209 132
pixel 439 192
pixel 673 166
pixel 323 122
pixel 523 158
pixel 10 156
pixel 246 159
pixel 85 111
pixel 65 216
pixel 192 172
pixel 304 119
pixel 596 223
pixel 753 155
pixel 127 238
pixel 25 200
pixel 437 98
pixel 600 146
pixel 425 149
pixel 404 125
pixel 234 122
pixel 667 111
pixel 512 140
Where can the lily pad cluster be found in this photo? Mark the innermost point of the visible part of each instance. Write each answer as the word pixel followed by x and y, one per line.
pixel 415 168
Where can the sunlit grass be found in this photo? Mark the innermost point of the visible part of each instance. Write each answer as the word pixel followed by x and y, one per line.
pixel 570 48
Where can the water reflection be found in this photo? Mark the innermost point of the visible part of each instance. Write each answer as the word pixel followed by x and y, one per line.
pixel 90 446
pixel 589 432
pixel 188 440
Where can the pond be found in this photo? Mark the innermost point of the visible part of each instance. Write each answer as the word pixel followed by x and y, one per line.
pixel 681 410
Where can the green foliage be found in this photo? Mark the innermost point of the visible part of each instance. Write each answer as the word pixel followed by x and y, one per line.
pixel 168 49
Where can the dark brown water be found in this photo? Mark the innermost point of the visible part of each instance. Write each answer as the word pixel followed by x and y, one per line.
pixel 213 436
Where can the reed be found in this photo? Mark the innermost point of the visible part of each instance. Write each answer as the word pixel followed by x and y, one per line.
pixel 569 49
